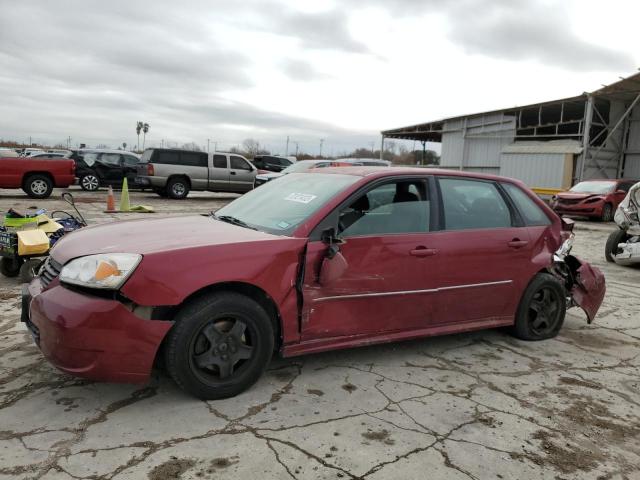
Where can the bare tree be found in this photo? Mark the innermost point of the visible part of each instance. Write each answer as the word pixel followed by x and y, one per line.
pixel 191 146
pixel 251 147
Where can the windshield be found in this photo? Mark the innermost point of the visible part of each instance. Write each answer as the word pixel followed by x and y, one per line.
pixel 593 187
pixel 299 167
pixel 281 205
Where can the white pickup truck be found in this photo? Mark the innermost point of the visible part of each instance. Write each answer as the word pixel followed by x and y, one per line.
pixel 173 172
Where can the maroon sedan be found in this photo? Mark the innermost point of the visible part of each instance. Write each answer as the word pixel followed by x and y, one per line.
pixel 592 198
pixel 337 258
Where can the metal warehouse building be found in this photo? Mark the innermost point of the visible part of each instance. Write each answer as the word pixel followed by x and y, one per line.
pixel 548 145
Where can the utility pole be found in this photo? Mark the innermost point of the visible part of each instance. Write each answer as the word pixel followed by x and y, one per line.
pixel 208 141
pixel 296 149
pixel 68 141
pixel 321 142
pixel 286 152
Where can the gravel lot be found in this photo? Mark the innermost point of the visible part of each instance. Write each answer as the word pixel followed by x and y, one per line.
pixel 479 405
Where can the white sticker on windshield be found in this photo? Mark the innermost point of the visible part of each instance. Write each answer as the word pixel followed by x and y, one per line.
pixel 300 197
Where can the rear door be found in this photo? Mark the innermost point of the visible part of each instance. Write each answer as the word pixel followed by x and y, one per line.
pixel 389 280
pixel 109 168
pixel 241 174
pixel 195 165
pixel 219 173
pixel 483 252
pixel 130 167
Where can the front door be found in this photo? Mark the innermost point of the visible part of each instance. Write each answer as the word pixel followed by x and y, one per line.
pixel 389 280
pixel 241 174
pixel 483 256
pixel 219 173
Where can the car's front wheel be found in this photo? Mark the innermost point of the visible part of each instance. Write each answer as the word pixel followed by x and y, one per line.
pixel 542 309
pixel 611 247
pixel 89 182
pixel 219 346
pixel 38 186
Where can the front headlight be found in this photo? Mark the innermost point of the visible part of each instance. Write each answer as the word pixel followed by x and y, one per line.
pixel 594 200
pixel 106 271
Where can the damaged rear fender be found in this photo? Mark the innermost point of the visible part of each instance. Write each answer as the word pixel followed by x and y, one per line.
pixel 584 283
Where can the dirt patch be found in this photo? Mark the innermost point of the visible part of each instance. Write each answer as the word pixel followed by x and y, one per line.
pixel 313 391
pixel 593 339
pixel 222 462
pixel 4 295
pixel 171 469
pixel 579 383
pixel 380 436
pixel 349 387
pixel 567 458
pixel 597 418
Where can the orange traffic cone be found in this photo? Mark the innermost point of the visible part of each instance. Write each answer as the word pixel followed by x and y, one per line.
pixel 111 202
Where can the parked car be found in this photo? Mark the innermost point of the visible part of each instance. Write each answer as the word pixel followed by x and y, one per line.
pixel 8 152
pixel 307 165
pixel 335 258
pixel 592 198
pixel 51 155
pixel 173 173
pixel 36 177
pixel 29 152
pixel 623 244
pixel 271 163
pixel 101 168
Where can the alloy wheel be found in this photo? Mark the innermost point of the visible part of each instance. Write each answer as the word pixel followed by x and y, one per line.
pixel 39 187
pixel 90 182
pixel 178 189
pixel 220 349
pixel 544 311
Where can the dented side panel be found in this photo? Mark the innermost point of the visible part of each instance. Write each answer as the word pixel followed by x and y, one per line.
pixel 589 289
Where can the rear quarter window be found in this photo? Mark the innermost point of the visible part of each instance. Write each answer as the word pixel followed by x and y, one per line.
pixel 167 158
pixel 531 213
pixel 219 161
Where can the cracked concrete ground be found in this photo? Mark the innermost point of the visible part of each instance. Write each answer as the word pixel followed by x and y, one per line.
pixel 479 405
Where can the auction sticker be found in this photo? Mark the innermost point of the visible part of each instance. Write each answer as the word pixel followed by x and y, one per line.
pixel 300 197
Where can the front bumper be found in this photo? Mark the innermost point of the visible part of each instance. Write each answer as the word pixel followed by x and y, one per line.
pixel 580 210
pixel 91 337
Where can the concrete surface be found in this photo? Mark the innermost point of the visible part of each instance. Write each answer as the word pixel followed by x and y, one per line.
pixel 481 405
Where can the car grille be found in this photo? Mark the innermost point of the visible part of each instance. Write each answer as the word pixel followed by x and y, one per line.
pixel 566 201
pixel 50 270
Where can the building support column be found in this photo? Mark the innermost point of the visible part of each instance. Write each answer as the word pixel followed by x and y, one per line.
pixel 586 134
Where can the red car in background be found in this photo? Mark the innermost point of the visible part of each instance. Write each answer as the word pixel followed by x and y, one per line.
pixel 592 198
pixel 334 258
pixel 36 176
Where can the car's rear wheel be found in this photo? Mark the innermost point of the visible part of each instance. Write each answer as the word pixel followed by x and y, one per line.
pixel 89 182
pixel 611 247
pixel 38 186
pixel 542 309
pixel 10 267
pixel 607 213
pixel 178 188
pixel 219 346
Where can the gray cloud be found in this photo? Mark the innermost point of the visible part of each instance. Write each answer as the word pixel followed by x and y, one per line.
pixel 301 70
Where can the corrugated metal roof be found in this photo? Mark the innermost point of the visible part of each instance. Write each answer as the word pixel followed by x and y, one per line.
pixel 557 146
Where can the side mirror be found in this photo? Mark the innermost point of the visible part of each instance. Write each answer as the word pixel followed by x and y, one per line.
pixel 332 268
pixel 332 241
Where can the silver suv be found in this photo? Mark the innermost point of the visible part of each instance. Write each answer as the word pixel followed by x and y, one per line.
pixel 173 173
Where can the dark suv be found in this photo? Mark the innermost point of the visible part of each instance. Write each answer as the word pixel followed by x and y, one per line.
pixel 271 163
pixel 101 168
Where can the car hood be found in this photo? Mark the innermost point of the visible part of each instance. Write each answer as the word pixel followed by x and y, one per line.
pixel 270 175
pixel 153 236
pixel 578 196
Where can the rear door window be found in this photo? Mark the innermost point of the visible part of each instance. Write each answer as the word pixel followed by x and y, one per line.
pixel 193 159
pixel 110 158
pixel 473 204
pixel 171 158
pixel 219 161
pixel 130 160
pixel 531 213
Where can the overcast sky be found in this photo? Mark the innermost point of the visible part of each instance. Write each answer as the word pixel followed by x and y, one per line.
pixel 340 70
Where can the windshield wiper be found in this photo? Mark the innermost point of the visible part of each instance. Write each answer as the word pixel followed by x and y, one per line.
pixel 233 221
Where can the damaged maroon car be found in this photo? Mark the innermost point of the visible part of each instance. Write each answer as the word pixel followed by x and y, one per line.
pixel 311 262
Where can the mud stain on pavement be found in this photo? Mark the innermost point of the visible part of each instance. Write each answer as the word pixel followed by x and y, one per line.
pixel 171 469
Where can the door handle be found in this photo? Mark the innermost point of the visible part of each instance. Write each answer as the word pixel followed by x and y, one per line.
pixel 232 173
pixel 423 252
pixel 517 243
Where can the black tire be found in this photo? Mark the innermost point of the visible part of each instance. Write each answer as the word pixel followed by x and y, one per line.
pixel 29 269
pixel 607 213
pixel 219 345
pixel 89 182
pixel 160 191
pixel 178 188
pixel 10 267
pixel 38 186
pixel 542 309
pixel 614 238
